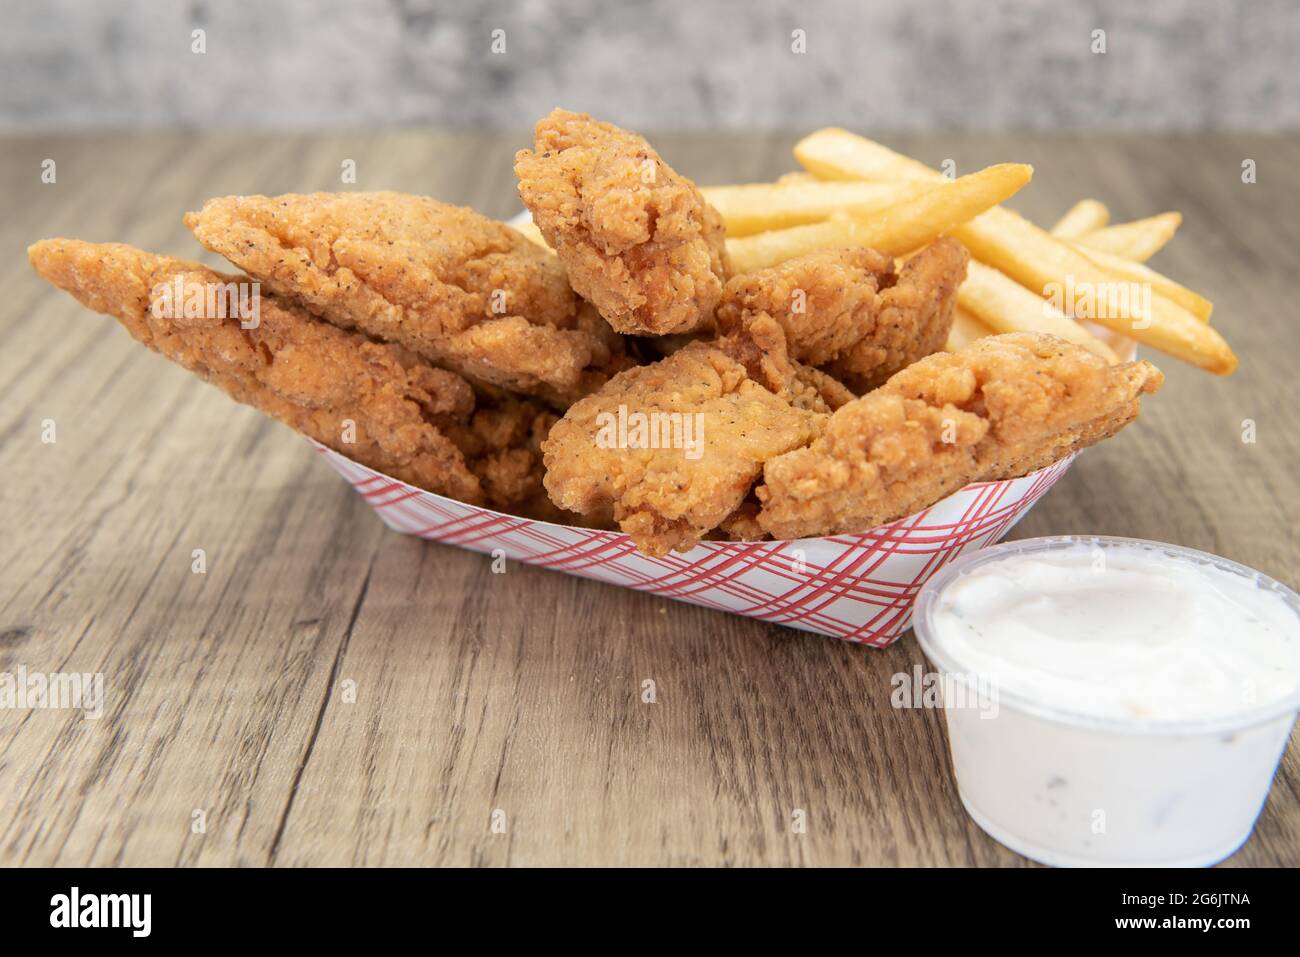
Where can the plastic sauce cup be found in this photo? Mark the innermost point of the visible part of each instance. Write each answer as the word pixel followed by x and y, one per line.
pixel 1074 789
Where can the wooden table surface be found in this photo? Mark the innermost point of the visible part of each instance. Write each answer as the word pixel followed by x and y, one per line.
pixel 330 692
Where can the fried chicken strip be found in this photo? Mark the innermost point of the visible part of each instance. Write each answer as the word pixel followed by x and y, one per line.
pixel 826 301
pixel 847 311
pixel 1002 407
pixel 449 284
pixel 328 384
pixel 673 447
pixel 741 525
pixel 502 444
pixel 636 238
pixel 821 390
pixel 759 343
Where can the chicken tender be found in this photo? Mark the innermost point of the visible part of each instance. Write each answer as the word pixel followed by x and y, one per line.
pixel 379 404
pixel 1004 406
pixel 637 239
pixel 502 444
pixel 914 318
pixel 741 525
pixel 330 385
pixel 826 301
pixel 673 448
pixel 847 310
pixel 759 344
pixel 819 390
pixel 449 284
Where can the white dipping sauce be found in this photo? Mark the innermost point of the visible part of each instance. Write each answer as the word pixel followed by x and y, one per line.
pixel 1122 632
pixel 1141 696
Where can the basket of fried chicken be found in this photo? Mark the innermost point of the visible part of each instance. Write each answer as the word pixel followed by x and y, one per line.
pixel 792 400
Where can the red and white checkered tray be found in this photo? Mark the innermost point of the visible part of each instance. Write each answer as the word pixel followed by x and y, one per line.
pixel 859 587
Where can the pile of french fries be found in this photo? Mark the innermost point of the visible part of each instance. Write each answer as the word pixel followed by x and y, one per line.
pixel 858 192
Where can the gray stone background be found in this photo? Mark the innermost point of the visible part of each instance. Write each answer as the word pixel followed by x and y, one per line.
pixel 939 65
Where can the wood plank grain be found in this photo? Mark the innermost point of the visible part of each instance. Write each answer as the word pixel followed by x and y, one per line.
pixel 330 692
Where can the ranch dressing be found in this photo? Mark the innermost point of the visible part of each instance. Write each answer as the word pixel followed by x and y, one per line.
pixel 1122 632
pixel 1135 698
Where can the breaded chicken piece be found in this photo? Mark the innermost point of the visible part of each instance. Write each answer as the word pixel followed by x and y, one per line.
pixel 309 375
pixel 612 352
pixel 673 447
pixel 826 301
pixel 741 525
pixel 759 343
pixel 502 444
pixel 449 284
pixel 418 423
pixel 1004 406
pixel 636 238
pixel 914 318
pixel 847 311
pixel 820 390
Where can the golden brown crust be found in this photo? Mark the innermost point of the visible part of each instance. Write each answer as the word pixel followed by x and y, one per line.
pixel 1004 406
pixel 913 319
pixel 451 285
pixel 820 390
pixel 826 301
pixel 330 385
pixel 741 525
pixel 758 343
pixel 636 238
pixel 847 311
pixel 671 496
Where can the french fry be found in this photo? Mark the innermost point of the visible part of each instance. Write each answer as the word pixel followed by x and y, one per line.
pixel 748 253
pixel 1085 216
pixel 965 330
pixel 895 230
pixel 833 153
pixel 1138 240
pixel 836 154
pixel 757 207
pixel 1030 255
pixel 1036 260
pixel 1130 271
pixel 1004 305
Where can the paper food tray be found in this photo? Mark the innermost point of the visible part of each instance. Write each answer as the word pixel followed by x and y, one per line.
pixel 857 587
